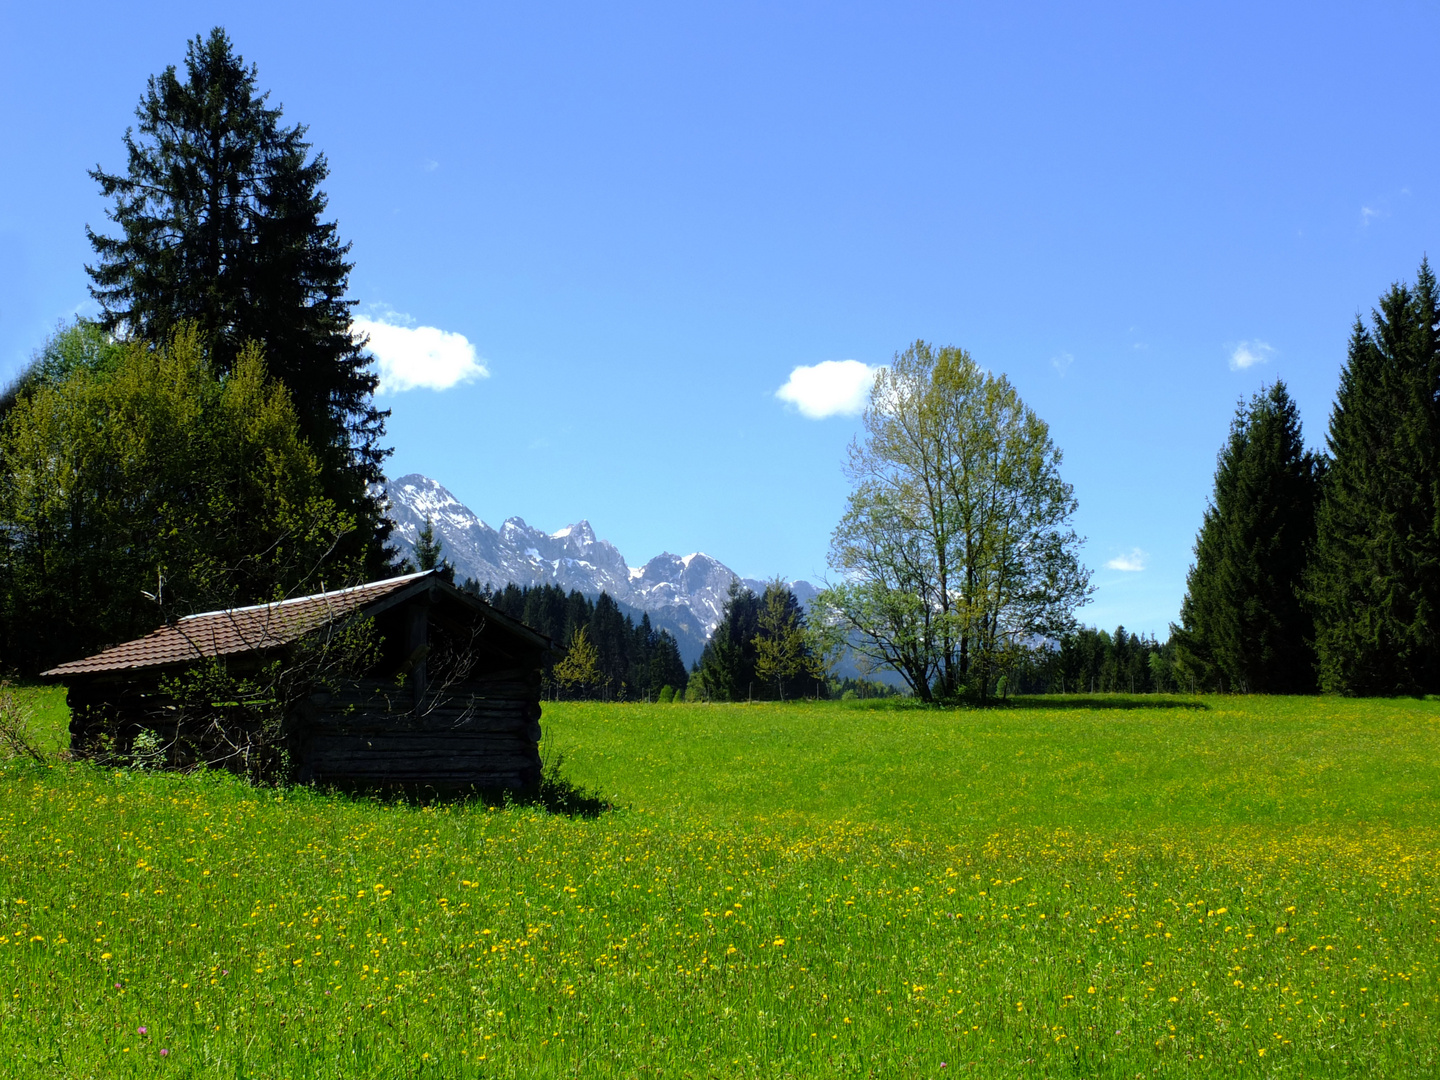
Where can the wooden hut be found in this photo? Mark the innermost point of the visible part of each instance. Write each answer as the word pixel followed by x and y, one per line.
pixel 450 697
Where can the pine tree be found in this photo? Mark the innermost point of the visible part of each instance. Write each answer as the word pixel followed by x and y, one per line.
pixel 1243 624
pixel 428 552
pixel 221 225
pixel 727 666
pixel 1375 580
pixel 781 653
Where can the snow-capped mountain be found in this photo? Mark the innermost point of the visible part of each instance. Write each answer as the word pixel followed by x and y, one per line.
pixel 684 594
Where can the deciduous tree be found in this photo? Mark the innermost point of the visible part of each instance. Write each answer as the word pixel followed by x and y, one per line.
pixel 162 477
pixel 956 540
pixel 781 647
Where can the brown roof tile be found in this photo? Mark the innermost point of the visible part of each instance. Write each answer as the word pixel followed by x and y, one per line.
pixel 235 630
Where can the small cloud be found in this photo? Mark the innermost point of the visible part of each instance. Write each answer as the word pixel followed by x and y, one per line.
pixel 829 388
pixel 1132 563
pixel 1062 363
pixel 410 356
pixel 1249 353
pixel 430 164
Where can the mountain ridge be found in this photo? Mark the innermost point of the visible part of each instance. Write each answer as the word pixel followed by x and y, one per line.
pixel 683 594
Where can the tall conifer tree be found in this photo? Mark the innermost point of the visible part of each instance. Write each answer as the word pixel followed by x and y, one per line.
pixel 221 222
pixel 1243 624
pixel 1375 579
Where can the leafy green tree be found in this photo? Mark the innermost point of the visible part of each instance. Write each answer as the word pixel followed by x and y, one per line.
pixel 955 546
pixel 1243 622
pixel 578 671
pixel 81 346
pixel 158 477
pixel 221 224
pixel 1374 582
pixel 782 651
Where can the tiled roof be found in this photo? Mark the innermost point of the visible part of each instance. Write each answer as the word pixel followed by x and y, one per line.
pixel 235 630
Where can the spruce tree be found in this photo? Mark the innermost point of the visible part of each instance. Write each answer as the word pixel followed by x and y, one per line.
pixel 428 552
pixel 1243 623
pixel 727 665
pixel 1375 580
pixel 221 224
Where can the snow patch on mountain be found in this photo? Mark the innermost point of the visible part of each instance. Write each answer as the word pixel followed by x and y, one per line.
pixel 684 594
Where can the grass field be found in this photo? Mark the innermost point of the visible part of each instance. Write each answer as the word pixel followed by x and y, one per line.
pixel 1217 887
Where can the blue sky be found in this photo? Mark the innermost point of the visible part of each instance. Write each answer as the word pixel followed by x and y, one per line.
pixel 629 224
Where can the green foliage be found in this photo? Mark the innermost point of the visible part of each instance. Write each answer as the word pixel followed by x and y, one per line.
pixel 727 666
pixel 18 737
pixel 781 646
pixel 578 671
pixel 159 477
pixel 853 689
pixel 1375 580
pixel 1091 661
pixel 955 546
pixel 428 552
pixel 666 696
pixel 759 649
pixel 221 225
pixel 1243 625
pixel 638 658
pixel 82 346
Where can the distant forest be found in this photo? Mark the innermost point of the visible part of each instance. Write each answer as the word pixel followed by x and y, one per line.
pixel 1090 661
pixel 630 662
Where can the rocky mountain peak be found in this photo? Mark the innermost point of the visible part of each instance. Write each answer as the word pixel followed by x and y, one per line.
pixel 682 594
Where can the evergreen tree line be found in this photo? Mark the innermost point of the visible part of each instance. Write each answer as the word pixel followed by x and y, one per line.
pixel 762 649
pixel 618 660
pixel 1091 661
pixel 1322 571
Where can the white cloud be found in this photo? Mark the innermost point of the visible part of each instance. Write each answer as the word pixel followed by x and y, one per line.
pixel 829 388
pixel 419 356
pixel 1132 563
pixel 1062 363
pixel 1249 353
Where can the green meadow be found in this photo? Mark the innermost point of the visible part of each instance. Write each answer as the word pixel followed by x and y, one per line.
pixel 1104 887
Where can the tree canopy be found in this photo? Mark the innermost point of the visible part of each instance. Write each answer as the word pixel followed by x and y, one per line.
pixel 221 225
pixel 759 650
pixel 1243 622
pixel 1374 582
pixel 630 661
pixel 154 475
pixel 955 548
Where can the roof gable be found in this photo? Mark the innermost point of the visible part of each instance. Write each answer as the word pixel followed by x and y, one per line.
pixel 260 627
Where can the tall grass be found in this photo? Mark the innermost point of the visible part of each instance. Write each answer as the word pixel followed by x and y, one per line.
pixel 1248 888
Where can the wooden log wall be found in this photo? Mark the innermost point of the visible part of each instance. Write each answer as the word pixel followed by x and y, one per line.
pixel 483 733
